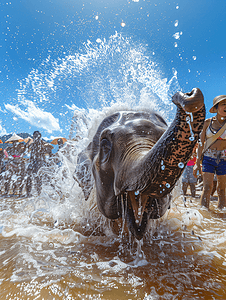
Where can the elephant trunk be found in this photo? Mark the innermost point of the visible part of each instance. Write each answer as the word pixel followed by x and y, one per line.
pixel 161 167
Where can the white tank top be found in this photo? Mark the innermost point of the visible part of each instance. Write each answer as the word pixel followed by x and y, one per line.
pixel 210 132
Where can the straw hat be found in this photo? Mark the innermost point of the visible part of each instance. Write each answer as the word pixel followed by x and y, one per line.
pixel 14 138
pixel 216 100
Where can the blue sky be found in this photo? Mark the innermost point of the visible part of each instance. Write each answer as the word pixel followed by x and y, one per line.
pixel 45 46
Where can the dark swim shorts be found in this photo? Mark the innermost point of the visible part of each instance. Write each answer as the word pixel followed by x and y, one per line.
pixel 211 165
pixel 188 176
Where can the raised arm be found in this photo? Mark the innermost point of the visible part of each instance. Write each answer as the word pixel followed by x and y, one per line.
pixel 197 167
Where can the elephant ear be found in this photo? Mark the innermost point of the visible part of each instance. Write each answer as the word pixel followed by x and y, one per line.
pixel 83 174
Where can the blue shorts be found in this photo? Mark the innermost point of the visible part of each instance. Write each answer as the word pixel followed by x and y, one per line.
pixel 210 165
pixel 188 176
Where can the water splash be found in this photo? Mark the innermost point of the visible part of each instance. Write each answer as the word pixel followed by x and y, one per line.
pixel 189 120
pixel 104 73
pixel 181 165
pixel 104 77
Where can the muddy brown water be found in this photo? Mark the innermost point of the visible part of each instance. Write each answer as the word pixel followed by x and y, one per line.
pixel 182 257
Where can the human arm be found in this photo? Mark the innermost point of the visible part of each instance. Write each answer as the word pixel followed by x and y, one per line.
pixel 197 167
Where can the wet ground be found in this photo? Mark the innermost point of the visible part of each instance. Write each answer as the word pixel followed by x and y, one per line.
pixel 182 257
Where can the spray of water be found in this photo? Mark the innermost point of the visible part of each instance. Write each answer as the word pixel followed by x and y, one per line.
pixel 104 77
pixel 116 74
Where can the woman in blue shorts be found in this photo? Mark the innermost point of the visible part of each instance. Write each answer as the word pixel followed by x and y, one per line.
pixel 214 158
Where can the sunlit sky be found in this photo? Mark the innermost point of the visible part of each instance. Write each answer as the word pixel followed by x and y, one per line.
pixel 186 36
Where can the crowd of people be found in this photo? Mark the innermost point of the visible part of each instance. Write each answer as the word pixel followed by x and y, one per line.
pixel 21 161
pixel 208 161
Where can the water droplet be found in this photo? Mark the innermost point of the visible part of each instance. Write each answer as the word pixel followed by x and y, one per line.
pixel 167 185
pixel 194 57
pixel 137 193
pixel 96 17
pixel 163 167
pixel 176 23
pixel 176 35
pixel 191 138
pixel 123 24
pixel 181 165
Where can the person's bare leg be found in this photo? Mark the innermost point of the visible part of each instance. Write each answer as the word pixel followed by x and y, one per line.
pixel 28 185
pixel 207 189
pixel 7 183
pixel 214 187
pixel 184 187
pixel 221 187
pixel 192 188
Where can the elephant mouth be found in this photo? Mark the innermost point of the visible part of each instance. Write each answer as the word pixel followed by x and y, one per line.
pixel 137 213
pixel 138 208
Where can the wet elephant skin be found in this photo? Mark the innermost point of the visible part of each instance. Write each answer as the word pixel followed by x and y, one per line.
pixel 135 160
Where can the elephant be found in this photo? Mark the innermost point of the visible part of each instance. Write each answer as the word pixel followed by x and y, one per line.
pixel 135 160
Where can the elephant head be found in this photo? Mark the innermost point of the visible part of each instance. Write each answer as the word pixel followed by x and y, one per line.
pixel 136 160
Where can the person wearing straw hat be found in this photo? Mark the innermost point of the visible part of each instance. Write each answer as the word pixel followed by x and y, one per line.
pixel 1 159
pixel 212 152
pixel 15 172
pixel 1 165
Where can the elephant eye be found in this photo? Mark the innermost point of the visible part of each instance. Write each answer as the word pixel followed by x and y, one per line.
pixel 105 150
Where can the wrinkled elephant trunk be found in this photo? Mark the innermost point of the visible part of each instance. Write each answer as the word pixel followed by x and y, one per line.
pixel 157 172
pixel 155 175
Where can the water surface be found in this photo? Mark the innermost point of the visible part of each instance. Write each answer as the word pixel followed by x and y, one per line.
pixel 182 256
